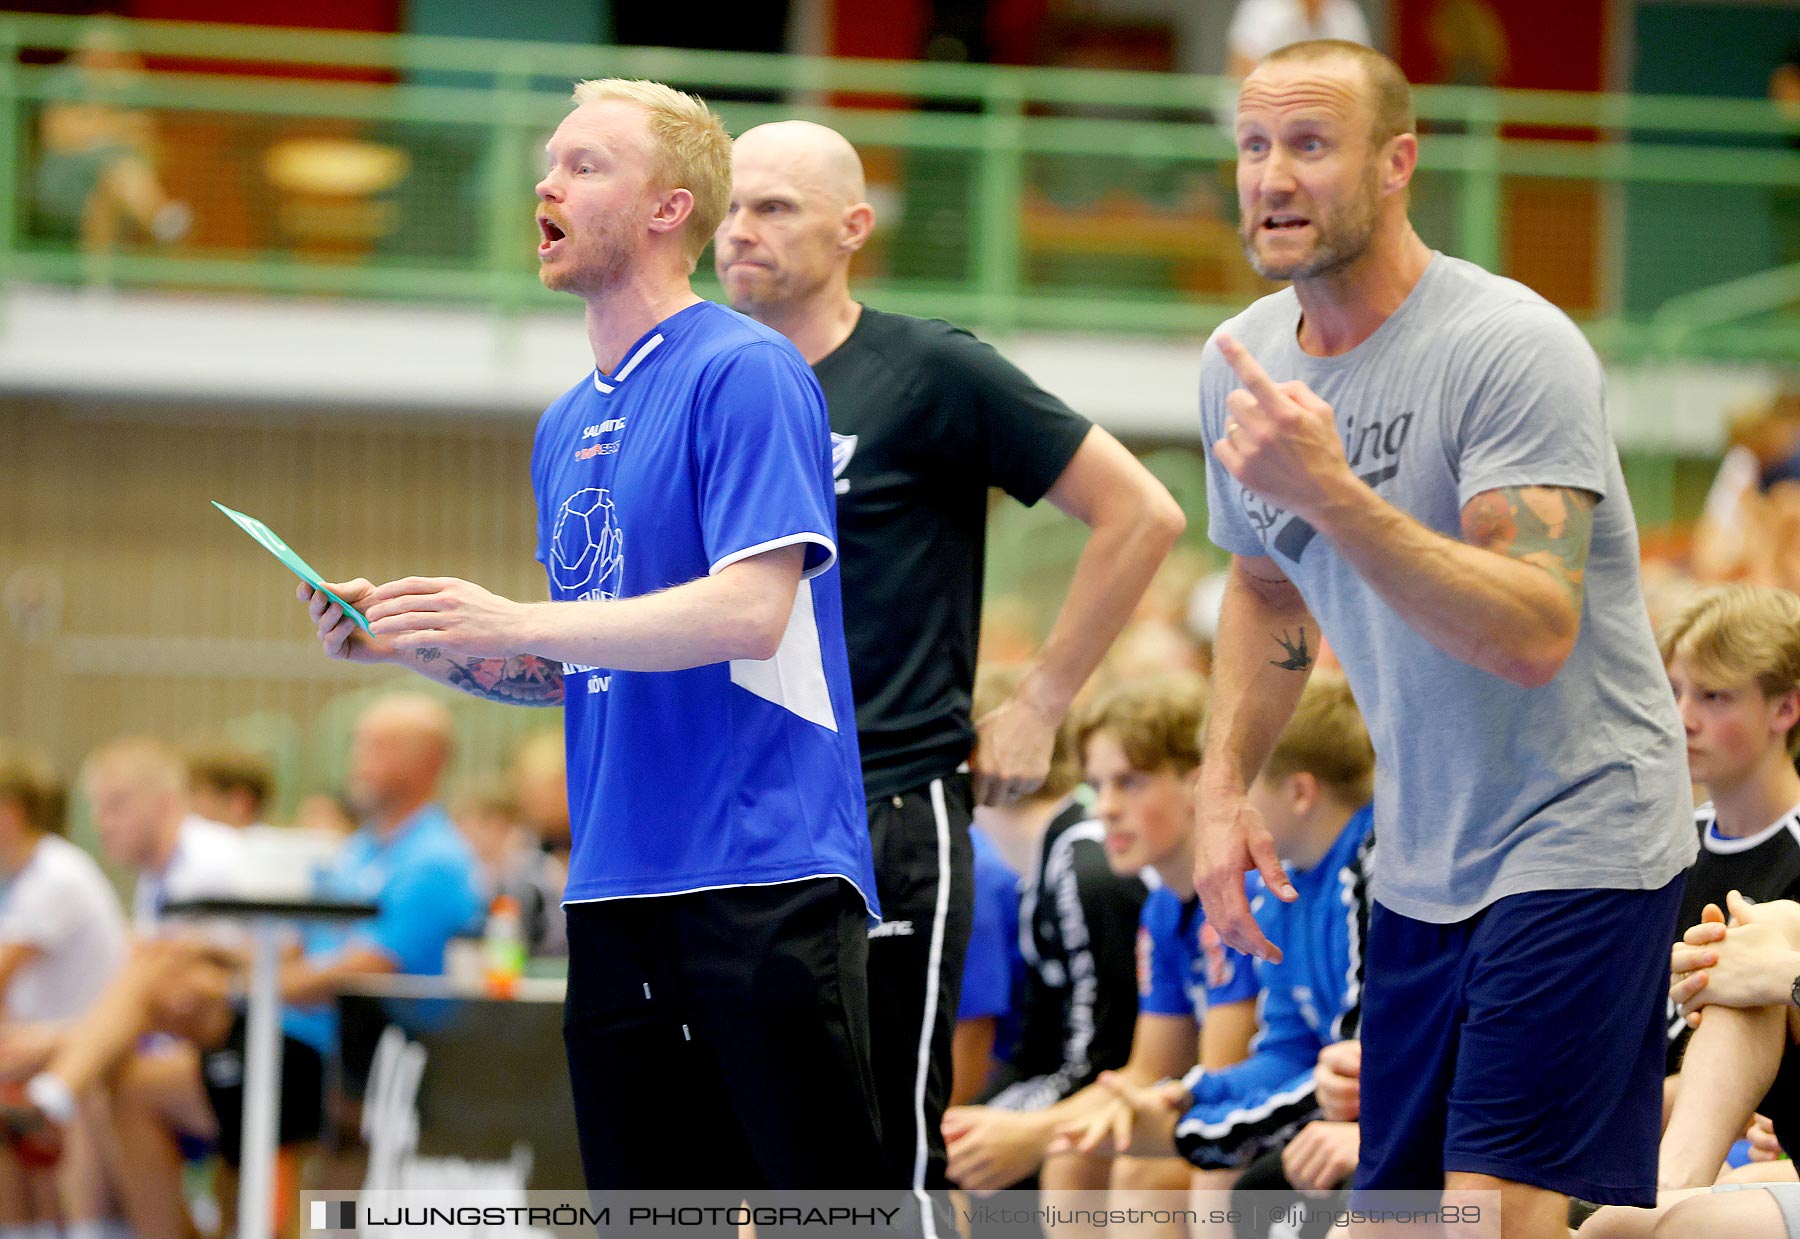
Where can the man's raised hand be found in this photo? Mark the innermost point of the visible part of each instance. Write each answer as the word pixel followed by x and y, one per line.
pixel 1281 440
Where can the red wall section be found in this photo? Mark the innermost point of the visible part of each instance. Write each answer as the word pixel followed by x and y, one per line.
pixel 1554 44
pixel 380 16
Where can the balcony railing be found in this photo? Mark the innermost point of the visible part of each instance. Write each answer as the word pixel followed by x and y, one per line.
pixel 400 167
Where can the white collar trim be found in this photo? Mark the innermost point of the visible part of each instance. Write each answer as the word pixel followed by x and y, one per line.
pixel 631 363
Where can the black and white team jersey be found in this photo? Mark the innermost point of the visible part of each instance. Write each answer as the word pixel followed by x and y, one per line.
pixel 1078 932
pixel 1763 866
pixel 925 418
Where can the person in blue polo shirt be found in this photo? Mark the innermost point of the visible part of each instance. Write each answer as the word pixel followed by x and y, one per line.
pixel 686 525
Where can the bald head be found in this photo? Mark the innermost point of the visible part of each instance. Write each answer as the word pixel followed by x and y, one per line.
pixel 797 218
pixel 820 159
pixel 398 753
pixel 1383 89
pixel 411 714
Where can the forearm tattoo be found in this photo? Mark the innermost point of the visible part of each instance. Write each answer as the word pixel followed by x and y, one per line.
pixel 524 680
pixel 1548 527
pixel 1299 658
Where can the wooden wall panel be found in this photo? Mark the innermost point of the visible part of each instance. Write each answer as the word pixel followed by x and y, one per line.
pixel 173 622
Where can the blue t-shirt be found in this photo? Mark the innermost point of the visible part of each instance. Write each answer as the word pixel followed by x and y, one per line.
pixel 994 969
pixel 709 445
pixel 422 878
pixel 1183 964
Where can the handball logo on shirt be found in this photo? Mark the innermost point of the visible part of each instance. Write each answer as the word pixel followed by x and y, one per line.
pixel 587 558
pixel 587 548
pixel 1373 450
pixel 843 447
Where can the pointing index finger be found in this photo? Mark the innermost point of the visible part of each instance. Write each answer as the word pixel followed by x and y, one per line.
pixel 1250 373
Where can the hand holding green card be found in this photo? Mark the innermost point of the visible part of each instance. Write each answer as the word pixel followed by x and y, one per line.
pixel 272 543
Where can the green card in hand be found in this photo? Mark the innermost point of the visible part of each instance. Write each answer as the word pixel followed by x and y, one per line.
pixel 273 544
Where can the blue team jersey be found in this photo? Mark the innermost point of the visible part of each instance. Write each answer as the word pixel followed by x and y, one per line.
pixel 1311 999
pixel 994 969
pixel 709 445
pixel 1183 965
pixel 421 877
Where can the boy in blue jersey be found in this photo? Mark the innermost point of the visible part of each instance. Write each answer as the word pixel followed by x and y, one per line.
pixel 720 880
pixel 1313 793
pixel 1139 746
pixel 993 979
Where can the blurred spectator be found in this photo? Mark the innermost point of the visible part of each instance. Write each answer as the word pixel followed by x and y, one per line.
pixel 1469 42
pixel 488 820
pixel 62 937
pixel 139 794
pixel 1260 26
pixel 1784 82
pixel 1749 528
pixel 1784 90
pixel 62 932
pixel 407 859
pixel 230 785
pixel 540 783
pixel 96 171
pixel 1153 647
pixel 327 813
pixel 1011 628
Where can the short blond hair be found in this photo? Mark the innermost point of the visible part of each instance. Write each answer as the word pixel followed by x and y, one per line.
pixel 689 148
pixel 994 687
pixel 1738 634
pixel 144 760
pixel 1327 739
pixel 1156 720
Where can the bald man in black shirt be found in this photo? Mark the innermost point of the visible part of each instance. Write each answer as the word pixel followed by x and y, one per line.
pixel 925 418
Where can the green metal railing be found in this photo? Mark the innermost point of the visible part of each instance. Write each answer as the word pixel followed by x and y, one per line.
pixel 998 175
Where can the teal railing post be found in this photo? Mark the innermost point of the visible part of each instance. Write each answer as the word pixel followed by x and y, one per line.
pixel 1480 208
pixel 999 204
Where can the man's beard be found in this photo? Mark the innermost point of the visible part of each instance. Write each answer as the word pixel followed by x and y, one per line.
pixel 597 265
pixel 1341 239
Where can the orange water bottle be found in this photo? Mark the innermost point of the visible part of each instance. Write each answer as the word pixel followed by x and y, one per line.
pixel 503 947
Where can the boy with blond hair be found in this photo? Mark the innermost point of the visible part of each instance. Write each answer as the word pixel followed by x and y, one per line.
pixel 1313 793
pixel 1733 657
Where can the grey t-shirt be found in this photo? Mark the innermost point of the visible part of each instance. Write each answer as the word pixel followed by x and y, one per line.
pixel 1483 789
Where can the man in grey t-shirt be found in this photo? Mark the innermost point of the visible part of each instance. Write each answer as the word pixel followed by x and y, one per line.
pixel 1429 473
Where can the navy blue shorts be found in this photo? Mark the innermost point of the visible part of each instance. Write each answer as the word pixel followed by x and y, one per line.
pixel 1525 1043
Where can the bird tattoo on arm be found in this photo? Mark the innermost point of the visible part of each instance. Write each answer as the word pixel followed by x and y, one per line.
pixel 1299 657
